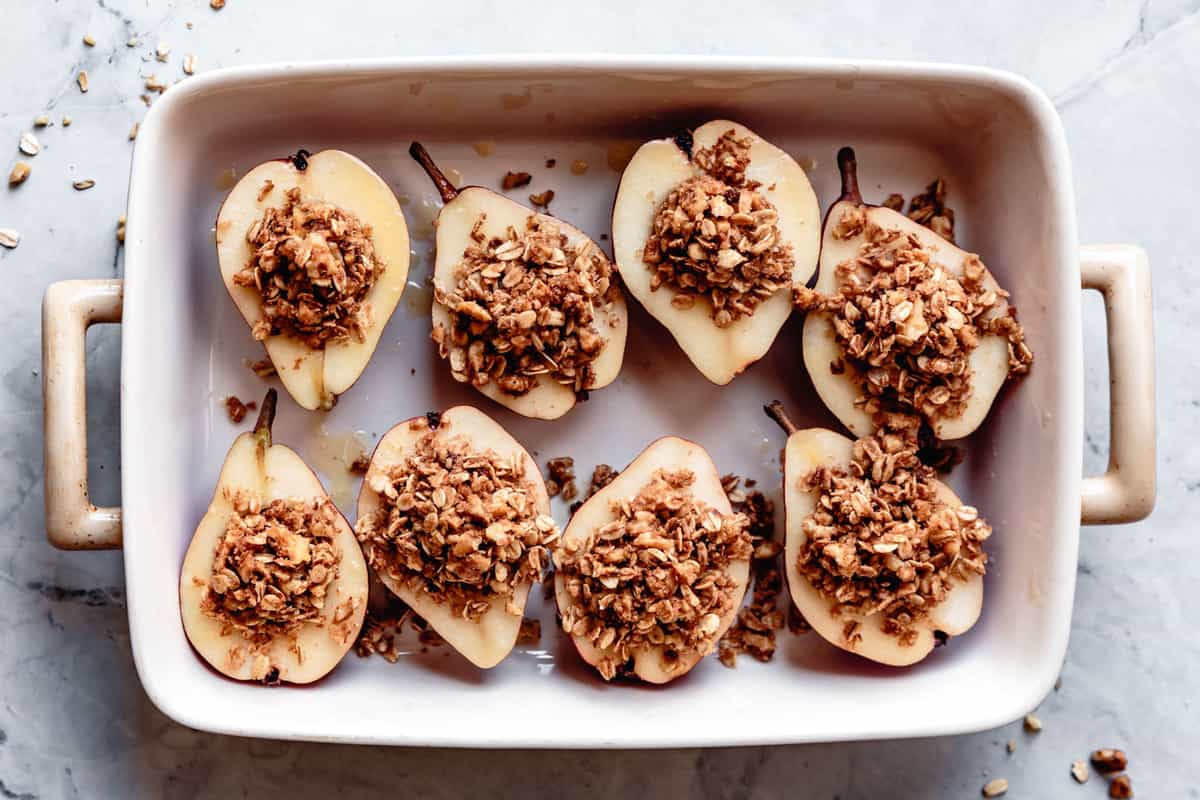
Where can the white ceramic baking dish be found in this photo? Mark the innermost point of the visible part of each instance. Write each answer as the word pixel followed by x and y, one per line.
pixel 993 136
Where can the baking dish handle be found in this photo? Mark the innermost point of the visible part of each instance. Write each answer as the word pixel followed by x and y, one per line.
pixel 68 310
pixel 1125 492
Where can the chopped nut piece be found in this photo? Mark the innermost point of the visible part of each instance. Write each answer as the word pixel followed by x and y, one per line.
pixel 20 172
pixel 273 566
pixel 153 84
pixel 133 132
pixel 189 64
pixel 929 209
pixel 1109 760
pixel 162 51
pixel 360 464
pixel 263 368
pixel 515 180
pixel 908 325
pixel 41 120
pixel 880 540
pixel 525 305
pixel 1032 724
pixel 456 524
pixel 654 575
pixel 313 265
pixel 995 788
pixel 236 409
pixel 9 238
pixel 542 200
pixel 216 5
pixel 1079 771
pixel 83 185
pixel 560 478
pixel 66 122
pixel 716 236
pixel 579 167
pixel 82 80
pixel 89 40
pixel 29 144
pixel 1121 788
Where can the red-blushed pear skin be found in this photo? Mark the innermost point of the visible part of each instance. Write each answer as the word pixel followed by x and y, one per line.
pixel 667 453
pixel 989 361
pixel 805 451
pixel 271 472
pixel 315 377
pixel 657 168
pixel 486 641
pixel 548 399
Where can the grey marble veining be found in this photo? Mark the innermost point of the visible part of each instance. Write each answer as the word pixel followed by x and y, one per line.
pixel 73 719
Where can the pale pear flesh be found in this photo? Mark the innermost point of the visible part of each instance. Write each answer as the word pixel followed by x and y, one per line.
pixel 314 378
pixel 274 472
pixel 656 169
pixel 805 451
pixel 487 641
pixel 668 453
pixel 989 360
pixel 548 399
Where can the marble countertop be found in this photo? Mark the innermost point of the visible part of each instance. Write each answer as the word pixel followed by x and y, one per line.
pixel 74 721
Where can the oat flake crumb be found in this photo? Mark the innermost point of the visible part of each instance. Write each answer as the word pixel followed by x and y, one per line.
pixel 1032 724
pixel 20 172
pixel 515 180
pixel 1079 771
pixel 83 185
pixel 1109 760
pixel 236 409
pixel 29 144
pixel 41 120
pixel 995 788
pixel 89 40
pixel 216 5
pixel 9 238
pixel 542 200
pixel 560 478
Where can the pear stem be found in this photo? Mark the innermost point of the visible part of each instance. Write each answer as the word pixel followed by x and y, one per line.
pixel 848 167
pixel 444 186
pixel 775 411
pixel 266 418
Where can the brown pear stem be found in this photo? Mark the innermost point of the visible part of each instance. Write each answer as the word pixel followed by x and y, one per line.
pixel 775 411
pixel 848 167
pixel 266 418
pixel 444 186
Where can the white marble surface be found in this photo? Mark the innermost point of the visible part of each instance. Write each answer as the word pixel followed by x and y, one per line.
pixel 73 719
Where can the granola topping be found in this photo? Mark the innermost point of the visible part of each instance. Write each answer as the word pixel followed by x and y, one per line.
pixel 753 632
pixel 717 237
pixel 313 264
pixel 881 541
pixel 655 575
pixel 524 305
pixel 273 566
pixel 458 525
pixel 908 325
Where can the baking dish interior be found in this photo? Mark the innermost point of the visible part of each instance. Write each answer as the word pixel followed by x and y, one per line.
pixel 992 138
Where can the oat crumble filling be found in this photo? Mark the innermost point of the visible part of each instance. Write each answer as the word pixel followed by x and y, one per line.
pixel 881 541
pixel 273 566
pixel 525 305
pixel 312 264
pixel 908 326
pixel 656 575
pixel 458 525
pixel 716 236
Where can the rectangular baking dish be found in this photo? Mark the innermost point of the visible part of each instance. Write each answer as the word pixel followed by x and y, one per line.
pixel 994 138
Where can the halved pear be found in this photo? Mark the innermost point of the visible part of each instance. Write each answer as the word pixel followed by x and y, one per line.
pixel 667 453
pixel 989 360
pixel 273 472
pixel 314 378
pixel 487 641
pixel 655 170
pixel 805 451
pixel 548 399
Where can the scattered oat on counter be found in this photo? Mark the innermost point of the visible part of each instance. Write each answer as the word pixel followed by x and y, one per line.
pixel 20 172
pixel 66 122
pixel 9 238
pixel 560 478
pixel 995 788
pixel 542 200
pixel 41 121
pixel 515 180
pixel 162 52
pixel 133 42
pixel 189 64
pixel 216 5
pixel 82 80
pixel 1109 760
pixel 83 185
pixel 236 409
pixel 1011 746
pixel 1032 724
pixel 530 632
pixel 579 167
pixel 29 144
pixel 1079 771
pixel 133 132
pixel 89 40
pixel 153 84
pixel 1121 788
pixel 121 229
